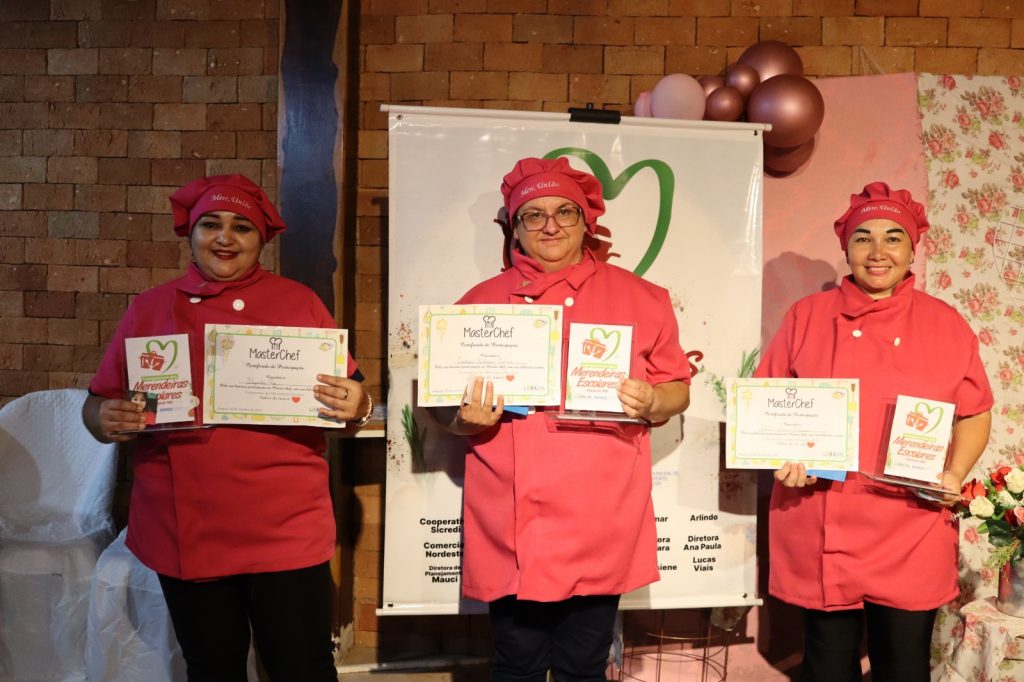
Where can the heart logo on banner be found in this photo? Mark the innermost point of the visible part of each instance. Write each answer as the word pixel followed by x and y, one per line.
pixel 597 334
pixel 932 414
pixel 165 347
pixel 296 398
pixel 614 186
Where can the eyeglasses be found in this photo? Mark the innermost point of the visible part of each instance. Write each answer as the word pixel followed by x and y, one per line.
pixel 566 216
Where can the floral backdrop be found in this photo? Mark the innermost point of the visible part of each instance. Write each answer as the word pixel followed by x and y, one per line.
pixel 973 134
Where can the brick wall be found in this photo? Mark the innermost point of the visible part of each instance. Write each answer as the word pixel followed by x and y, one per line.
pixel 105 107
pixel 552 54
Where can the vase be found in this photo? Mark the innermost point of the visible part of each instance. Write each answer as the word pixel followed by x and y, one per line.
pixel 1010 599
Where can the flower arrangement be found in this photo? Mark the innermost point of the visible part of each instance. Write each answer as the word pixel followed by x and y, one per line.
pixel 997 502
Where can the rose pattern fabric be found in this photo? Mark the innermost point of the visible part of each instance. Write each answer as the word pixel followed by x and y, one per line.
pixel 972 129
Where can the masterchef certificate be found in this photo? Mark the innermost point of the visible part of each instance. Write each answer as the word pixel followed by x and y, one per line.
pixel 773 421
pixel 518 347
pixel 264 376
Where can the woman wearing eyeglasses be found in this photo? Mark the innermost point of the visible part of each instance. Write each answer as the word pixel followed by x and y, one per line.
pixel 558 520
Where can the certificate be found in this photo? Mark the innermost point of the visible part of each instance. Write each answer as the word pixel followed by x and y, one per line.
pixel 518 347
pixel 773 421
pixel 599 359
pixel 264 376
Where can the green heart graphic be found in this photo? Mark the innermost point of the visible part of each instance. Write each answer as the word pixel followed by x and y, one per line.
pixel 594 331
pixel 614 186
pixel 173 345
pixel 930 413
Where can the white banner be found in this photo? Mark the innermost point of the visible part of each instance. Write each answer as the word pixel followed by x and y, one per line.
pixel 684 211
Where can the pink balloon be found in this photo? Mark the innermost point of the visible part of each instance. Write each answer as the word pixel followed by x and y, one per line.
pixel 724 104
pixel 772 58
pixel 710 83
pixel 785 160
pixel 742 77
pixel 678 96
pixel 792 105
pixel 642 106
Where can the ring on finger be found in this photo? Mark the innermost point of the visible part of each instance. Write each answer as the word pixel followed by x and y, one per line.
pixel 345 397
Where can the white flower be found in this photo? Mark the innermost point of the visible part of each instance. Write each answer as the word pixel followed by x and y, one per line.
pixel 1015 480
pixel 982 507
pixel 1005 499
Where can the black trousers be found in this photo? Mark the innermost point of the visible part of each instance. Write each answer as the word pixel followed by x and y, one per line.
pixel 570 637
pixel 289 613
pixel 898 644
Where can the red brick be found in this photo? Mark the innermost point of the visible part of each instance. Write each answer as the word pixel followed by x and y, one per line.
pixel 23 330
pixel 702 8
pixel 23 277
pixel 125 225
pixel 101 143
pixel 154 144
pixel 238 9
pixel 378 30
pixel 50 88
pixel 1017 33
pixel 154 88
pixel 50 251
pixel 257 145
pixel 432 28
pixel 727 31
pixel 179 62
pixel 665 31
pixel 634 60
pixel 73 115
pixel 250 168
pixel 10 197
pixel 1002 8
pixel 158 276
pixel 124 116
pixel 104 253
pixel 183 9
pixel 146 199
pixel 397 7
pixel 179 117
pixel 177 171
pixel 517 6
pixel 23 223
pixel 541 86
pixel 640 8
pixel 210 89
pixel 12 250
pixel 155 34
pixel 24 10
pixel 105 34
pixel 573 59
pixel 101 88
pixel 603 30
pixel 233 117
pixel 62 62
pixel 72 332
pixel 998 62
pixel 75 9
pixel 455 57
pixel 99 198
pixel 36 34
pixel 123 171
pixel 887 8
pixel 12 88
pixel 256 33
pixel 207 34
pixel 125 61
pixel 71 169
pixel 23 61
pixel 598 88
pixel 129 9
pixel 761 8
pixel 826 61
pixel 235 61
pixel 72 278
pixel 125 280
pixel 153 254
pixel 413 86
pixel 46 357
pixel 387 58
pixel 23 169
pixel 12 304
pixel 257 89
pixel 49 304
pixel 11 356
pixel 979 32
pixel 542 28
pixel 73 224
pixel 483 28
pixel 874 61
pixel 458 6
pixel 792 30
pixel 479 84
pixel 206 145
pixel 10 143
pixel 88 357
pixel 48 197
pixel 949 8
pixel 853 30
pixel 58 380
pixel 20 116
pixel 376 86
pixel 100 306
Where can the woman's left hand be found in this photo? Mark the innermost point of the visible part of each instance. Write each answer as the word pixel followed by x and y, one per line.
pixel 344 398
pixel 951 484
pixel 637 398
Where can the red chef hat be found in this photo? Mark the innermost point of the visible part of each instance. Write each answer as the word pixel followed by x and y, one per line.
pixel 532 178
pixel 235 193
pixel 878 200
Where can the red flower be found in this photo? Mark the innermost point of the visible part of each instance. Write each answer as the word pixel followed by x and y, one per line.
pixel 963 120
pixel 963 218
pixel 1013 82
pixel 974 305
pixel 934 146
pixel 985 336
pixel 950 179
pixel 1006 375
pixel 982 107
pixel 990 236
pixel 973 488
pixel 948 82
pixel 944 280
pixel 984 205
pixel 1017 179
pixel 996 140
pixel 998 477
pixel 1015 516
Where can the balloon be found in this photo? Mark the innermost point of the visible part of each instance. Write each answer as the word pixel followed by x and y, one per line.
pixel 642 106
pixel 791 104
pixel 724 104
pixel 772 58
pixel 710 83
pixel 785 160
pixel 678 96
pixel 743 77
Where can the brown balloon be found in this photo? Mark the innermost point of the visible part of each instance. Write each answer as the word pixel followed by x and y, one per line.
pixel 743 77
pixel 785 160
pixel 792 105
pixel 772 58
pixel 710 83
pixel 724 104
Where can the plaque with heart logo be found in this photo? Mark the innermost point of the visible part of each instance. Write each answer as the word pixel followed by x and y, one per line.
pixel 919 439
pixel 161 365
pixel 599 360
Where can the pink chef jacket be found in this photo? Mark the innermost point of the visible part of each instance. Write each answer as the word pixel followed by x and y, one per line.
pixel 834 545
pixel 553 510
pixel 226 500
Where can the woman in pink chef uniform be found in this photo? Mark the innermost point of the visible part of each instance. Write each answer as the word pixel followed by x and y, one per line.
pixel 558 520
pixel 856 550
pixel 237 521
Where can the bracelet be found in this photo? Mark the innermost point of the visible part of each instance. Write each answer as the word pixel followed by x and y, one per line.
pixel 369 412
